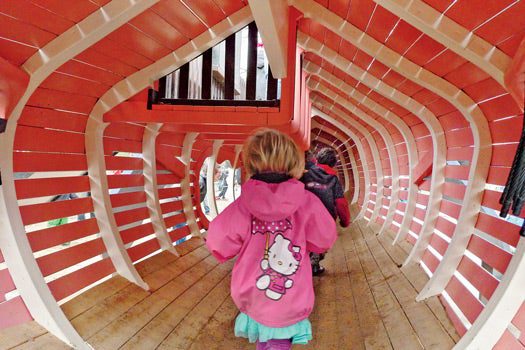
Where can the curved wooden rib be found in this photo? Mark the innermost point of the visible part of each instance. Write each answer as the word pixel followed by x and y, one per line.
pixel 469 109
pixel 357 141
pixel 428 118
pixel 501 308
pixel 98 182
pixel 210 184
pixel 452 35
pixel 315 86
pixel 357 187
pixel 187 203
pixel 392 154
pixel 403 128
pixel 27 277
pixel 150 186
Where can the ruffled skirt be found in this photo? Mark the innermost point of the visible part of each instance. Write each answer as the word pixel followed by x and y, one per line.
pixel 246 327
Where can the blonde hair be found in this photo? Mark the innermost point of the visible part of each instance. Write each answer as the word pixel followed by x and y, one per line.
pixel 268 150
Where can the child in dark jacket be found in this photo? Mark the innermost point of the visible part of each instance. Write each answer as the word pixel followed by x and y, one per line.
pixel 321 179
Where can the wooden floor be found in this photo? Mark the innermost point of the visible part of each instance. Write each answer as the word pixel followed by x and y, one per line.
pixel 364 301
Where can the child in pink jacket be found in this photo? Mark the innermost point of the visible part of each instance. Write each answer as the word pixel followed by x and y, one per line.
pixel 271 229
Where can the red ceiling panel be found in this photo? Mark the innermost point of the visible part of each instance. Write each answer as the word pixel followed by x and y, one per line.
pixel 440 5
pixel 333 40
pixel 156 27
pixel 14 52
pixel 504 25
pixel 403 36
pixel 424 50
pixel 484 90
pixel 28 12
pixel 74 11
pixel 24 33
pixel 510 45
pixel 176 14
pixel 119 52
pixel 381 24
pixel 101 60
pixel 360 13
pixel 466 75
pixel 471 13
pixel 136 40
pixel 339 7
pixel 207 10
pixel 409 88
pixel 445 63
pixel 230 6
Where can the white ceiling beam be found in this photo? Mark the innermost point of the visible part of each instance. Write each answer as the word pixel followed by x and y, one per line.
pixel 271 17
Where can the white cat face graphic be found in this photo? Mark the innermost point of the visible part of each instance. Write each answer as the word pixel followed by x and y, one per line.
pixel 281 258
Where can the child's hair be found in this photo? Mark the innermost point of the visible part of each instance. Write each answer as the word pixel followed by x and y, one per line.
pixel 327 156
pixel 268 150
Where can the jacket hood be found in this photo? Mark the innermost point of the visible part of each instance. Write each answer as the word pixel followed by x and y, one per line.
pixel 272 201
pixel 321 173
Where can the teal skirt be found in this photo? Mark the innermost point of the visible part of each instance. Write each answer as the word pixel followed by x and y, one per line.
pixel 247 327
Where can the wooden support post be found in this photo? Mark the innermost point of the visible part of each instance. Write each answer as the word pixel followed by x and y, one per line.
pixel 206 75
pixel 251 71
pixel 229 69
pixel 184 76
pixel 162 87
pixel 271 87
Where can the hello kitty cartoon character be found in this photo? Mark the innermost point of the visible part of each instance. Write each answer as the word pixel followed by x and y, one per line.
pixel 283 260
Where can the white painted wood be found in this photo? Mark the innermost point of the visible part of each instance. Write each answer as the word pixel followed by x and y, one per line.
pixel 452 35
pixel 103 209
pixel 355 172
pixel 20 261
pixel 358 74
pixel 501 308
pixel 357 141
pixel 332 80
pixel 404 130
pixel 271 17
pixel 238 150
pixel 430 120
pixel 125 89
pixel 28 279
pixel 145 77
pixel 189 212
pixel 315 86
pixel 469 109
pixel 150 186
pixel 210 183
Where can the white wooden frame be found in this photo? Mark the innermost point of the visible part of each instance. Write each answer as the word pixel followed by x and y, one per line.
pixel 210 178
pixel 17 252
pixel 452 35
pixel 330 80
pixel 428 118
pixel 150 186
pixel 373 148
pixel 403 128
pixel 357 142
pixel 187 203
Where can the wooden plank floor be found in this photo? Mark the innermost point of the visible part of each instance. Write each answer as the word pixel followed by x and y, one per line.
pixel 364 301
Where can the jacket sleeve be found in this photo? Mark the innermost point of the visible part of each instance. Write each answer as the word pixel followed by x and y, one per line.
pixel 320 225
pixel 224 238
pixel 341 205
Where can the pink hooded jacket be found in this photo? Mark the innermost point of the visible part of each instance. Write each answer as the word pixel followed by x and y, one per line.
pixel 272 228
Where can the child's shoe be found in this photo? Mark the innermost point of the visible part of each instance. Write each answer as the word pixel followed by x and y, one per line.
pixel 317 270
